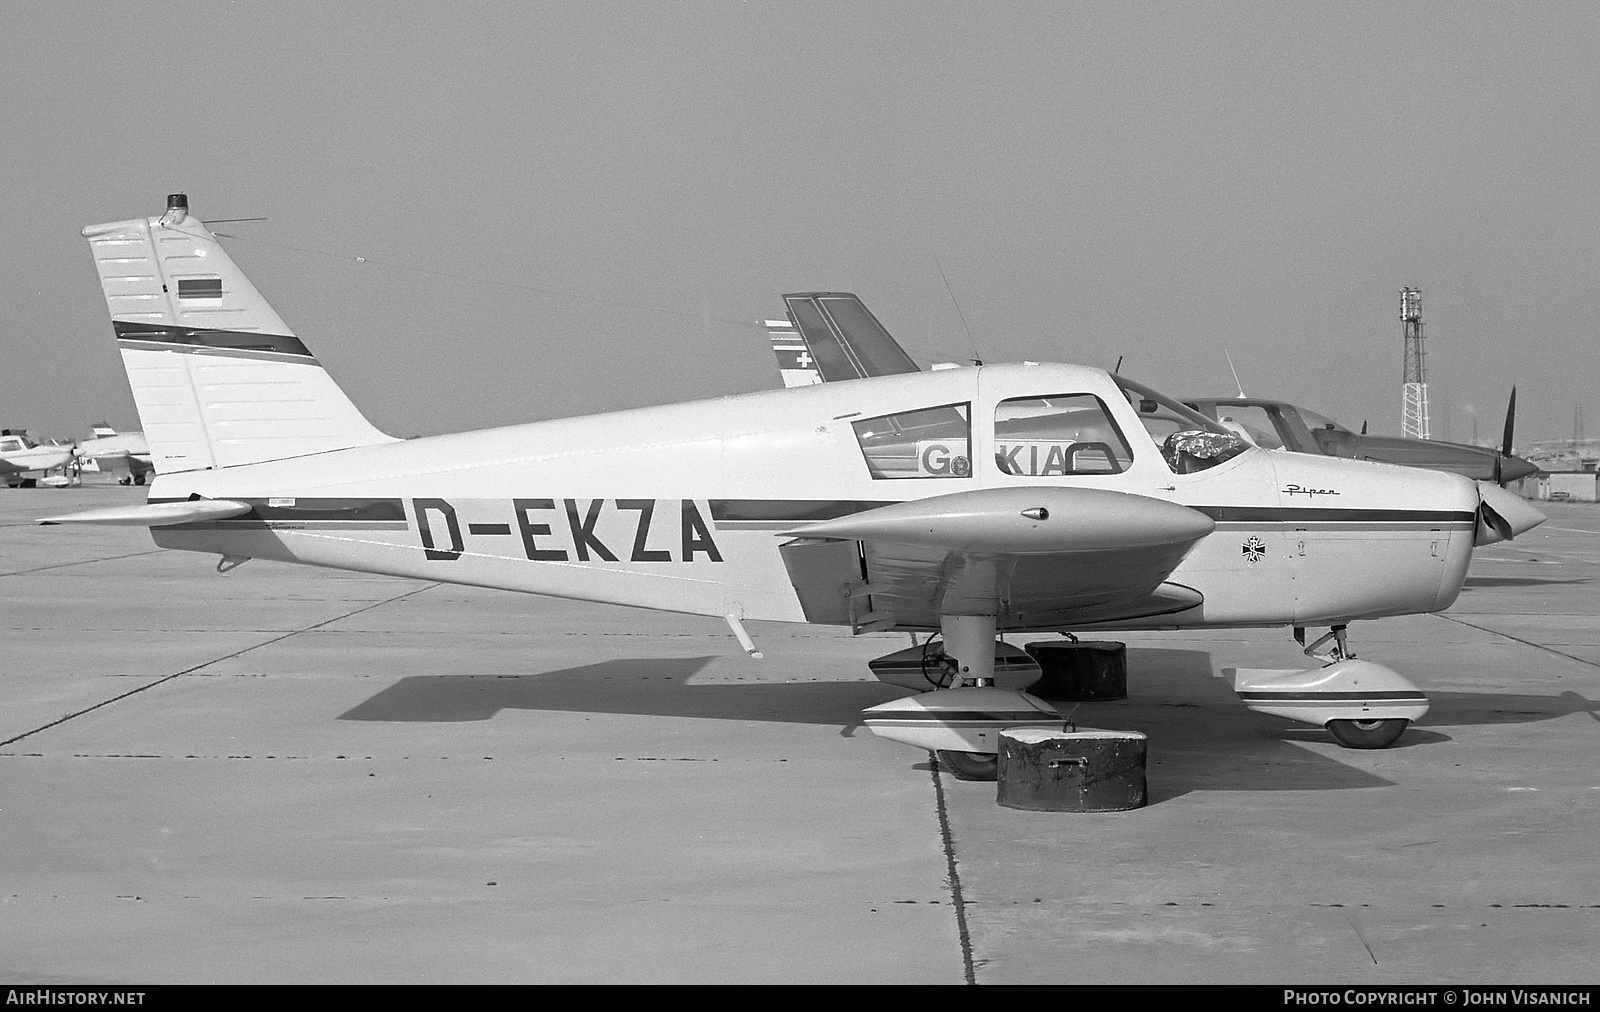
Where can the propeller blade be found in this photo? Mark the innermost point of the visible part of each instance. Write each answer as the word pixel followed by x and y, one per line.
pixel 1511 421
pixel 1488 517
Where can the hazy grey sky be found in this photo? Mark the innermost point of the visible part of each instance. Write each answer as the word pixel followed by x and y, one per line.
pixel 573 207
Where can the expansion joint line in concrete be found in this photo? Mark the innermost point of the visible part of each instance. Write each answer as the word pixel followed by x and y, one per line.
pixel 218 660
pixel 953 877
pixel 84 562
pixel 1519 639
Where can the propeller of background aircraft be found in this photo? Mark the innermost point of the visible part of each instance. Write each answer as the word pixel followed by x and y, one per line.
pixel 1505 444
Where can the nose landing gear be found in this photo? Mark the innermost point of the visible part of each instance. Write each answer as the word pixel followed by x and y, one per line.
pixel 1363 705
pixel 1380 733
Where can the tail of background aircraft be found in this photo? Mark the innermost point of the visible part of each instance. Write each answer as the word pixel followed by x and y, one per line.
pixel 796 364
pixel 833 336
pixel 219 379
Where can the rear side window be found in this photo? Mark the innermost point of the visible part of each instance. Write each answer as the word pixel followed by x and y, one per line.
pixel 926 443
pixel 1058 435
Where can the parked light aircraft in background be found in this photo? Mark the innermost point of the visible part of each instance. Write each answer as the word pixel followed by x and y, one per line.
pixel 125 454
pixel 833 336
pixel 1280 425
pixel 23 461
pixel 967 502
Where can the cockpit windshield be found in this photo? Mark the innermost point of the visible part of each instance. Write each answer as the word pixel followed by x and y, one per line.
pixel 1189 441
pixel 1316 421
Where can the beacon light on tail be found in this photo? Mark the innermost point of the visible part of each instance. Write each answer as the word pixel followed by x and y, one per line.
pixel 968 502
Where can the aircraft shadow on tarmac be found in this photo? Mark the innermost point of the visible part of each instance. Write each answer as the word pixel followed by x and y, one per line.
pixel 1462 708
pixel 1201 736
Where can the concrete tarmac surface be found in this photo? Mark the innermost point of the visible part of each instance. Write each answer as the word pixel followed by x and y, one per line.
pixel 283 774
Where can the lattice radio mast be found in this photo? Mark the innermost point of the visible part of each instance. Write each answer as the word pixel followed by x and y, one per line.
pixel 1414 384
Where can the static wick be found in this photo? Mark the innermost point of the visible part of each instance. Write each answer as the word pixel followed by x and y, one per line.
pixel 742 636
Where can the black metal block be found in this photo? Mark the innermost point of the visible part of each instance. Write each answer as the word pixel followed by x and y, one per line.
pixel 1086 671
pixel 1071 771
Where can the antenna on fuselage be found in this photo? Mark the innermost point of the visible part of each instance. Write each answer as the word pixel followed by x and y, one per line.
pixel 977 359
pixel 1118 368
pixel 1235 373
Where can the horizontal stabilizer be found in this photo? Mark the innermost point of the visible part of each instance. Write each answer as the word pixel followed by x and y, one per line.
pixel 163 514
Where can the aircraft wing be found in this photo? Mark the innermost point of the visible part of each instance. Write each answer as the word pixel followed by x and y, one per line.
pixel 1036 558
pixel 843 340
pixel 6 467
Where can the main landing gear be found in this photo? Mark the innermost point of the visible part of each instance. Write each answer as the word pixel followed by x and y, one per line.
pixel 961 725
pixel 1363 705
pixel 970 765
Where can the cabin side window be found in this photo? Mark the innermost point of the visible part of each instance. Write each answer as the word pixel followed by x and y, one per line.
pixel 926 443
pixel 1060 434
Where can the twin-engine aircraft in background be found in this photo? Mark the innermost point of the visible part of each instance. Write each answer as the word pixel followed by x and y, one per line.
pixel 1281 425
pixel 833 336
pixel 967 502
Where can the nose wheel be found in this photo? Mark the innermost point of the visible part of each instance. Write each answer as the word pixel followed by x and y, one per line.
pixel 1367 733
pixel 1362 704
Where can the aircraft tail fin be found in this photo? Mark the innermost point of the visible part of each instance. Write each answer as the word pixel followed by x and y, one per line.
pixel 219 379
pixel 843 340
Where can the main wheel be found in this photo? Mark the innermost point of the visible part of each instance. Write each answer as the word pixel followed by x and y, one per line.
pixel 138 479
pixel 970 765
pixel 1367 733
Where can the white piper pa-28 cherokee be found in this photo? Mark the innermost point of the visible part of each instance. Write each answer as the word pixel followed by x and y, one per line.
pixel 968 502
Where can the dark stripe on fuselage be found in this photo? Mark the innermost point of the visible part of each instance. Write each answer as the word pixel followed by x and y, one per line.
pixel 791 510
pixel 200 337
pixel 1312 696
pixel 802 511
pixel 1313 515
pixel 972 716
pixel 810 510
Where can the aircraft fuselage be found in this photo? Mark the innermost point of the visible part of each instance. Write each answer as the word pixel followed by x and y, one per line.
pixel 683 507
